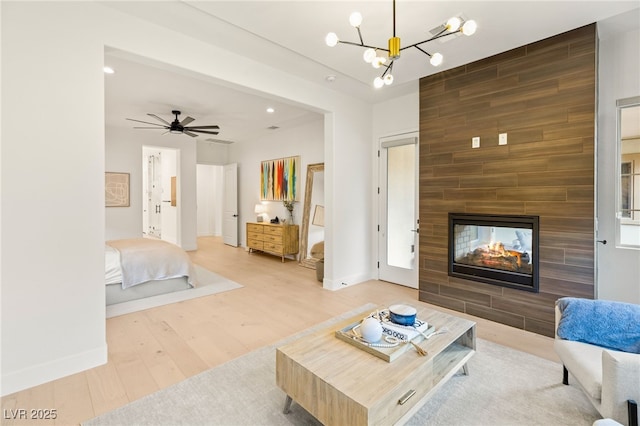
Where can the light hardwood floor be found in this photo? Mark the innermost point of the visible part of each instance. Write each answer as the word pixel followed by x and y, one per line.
pixel 153 349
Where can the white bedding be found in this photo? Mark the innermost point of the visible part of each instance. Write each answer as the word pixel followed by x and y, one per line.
pixel 138 260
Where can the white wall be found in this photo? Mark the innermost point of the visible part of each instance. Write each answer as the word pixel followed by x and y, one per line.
pixel 618 275
pixel 123 152
pixel 306 140
pixel 212 153
pixel 52 278
pixel 53 215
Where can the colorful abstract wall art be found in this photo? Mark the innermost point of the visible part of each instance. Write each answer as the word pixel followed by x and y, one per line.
pixel 279 179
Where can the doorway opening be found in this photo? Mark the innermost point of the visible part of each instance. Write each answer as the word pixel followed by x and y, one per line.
pixel 160 194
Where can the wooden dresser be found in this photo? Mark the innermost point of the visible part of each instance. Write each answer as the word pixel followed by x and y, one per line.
pixel 281 240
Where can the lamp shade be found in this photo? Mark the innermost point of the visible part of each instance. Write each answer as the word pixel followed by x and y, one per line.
pixel 260 208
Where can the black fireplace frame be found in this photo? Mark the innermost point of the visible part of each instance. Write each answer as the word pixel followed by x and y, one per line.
pixel 508 279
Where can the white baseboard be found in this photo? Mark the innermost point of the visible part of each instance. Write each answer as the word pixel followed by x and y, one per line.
pixel 345 281
pixel 52 370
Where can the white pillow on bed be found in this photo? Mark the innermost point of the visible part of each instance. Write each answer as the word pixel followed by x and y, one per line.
pixel 112 269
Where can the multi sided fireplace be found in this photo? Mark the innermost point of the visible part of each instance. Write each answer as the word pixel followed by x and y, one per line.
pixel 494 249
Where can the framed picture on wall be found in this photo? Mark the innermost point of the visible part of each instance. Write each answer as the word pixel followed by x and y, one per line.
pixel 279 179
pixel 116 189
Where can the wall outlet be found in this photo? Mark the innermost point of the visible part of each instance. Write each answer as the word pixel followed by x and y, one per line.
pixel 502 139
pixel 475 142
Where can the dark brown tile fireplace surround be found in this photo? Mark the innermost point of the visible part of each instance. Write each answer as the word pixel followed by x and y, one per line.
pixel 543 96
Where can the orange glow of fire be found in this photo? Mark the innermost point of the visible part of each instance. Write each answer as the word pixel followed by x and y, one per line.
pixel 496 249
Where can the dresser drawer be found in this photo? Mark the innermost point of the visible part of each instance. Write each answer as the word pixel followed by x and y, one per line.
pixel 252 227
pixel 273 230
pixel 255 236
pixel 273 247
pixel 272 238
pixel 255 244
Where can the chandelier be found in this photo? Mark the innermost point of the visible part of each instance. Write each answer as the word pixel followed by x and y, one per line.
pixel 372 54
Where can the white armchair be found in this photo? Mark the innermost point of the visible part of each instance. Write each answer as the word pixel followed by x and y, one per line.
pixel 609 378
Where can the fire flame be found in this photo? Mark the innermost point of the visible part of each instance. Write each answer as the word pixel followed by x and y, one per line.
pixel 496 249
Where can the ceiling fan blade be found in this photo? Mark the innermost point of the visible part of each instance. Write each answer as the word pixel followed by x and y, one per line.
pixel 203 131
pixel 186 121
pixel 158 118
pixel 153 128
pixel 186 132
pixel 203 127
pixel 146 122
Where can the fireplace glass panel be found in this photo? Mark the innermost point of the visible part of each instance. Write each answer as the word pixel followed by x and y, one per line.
pixel 495 247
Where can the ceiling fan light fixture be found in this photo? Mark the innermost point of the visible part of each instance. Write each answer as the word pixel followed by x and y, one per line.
pixel 177 126
pixel 453 26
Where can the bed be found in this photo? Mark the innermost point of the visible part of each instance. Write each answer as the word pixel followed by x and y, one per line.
pixel 142 267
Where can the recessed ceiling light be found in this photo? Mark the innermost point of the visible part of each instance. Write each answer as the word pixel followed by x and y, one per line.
pixel 330 78
pixel 108 70
pixel 270 110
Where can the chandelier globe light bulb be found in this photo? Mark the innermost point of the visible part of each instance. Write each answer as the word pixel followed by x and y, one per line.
pixel 469 28
pixel 355 19
pixel 378 61
pixel 436 59
pixel 453 24
pixel 388 79
pixel 378 82
pixel 331 39
pixel 369 55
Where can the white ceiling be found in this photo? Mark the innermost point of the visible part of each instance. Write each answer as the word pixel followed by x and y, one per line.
pixel 289 35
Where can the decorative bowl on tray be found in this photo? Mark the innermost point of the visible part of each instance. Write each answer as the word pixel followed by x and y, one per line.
pixel 402 314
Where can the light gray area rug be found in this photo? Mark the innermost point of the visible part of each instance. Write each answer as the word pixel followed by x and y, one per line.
pixel 505 387
pixel 208 283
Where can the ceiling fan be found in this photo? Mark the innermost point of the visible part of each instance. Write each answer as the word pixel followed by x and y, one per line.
pixel 177 126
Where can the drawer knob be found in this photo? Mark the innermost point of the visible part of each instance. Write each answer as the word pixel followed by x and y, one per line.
pixel 406 397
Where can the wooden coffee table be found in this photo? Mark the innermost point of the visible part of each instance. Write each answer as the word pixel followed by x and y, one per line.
pixel 341 384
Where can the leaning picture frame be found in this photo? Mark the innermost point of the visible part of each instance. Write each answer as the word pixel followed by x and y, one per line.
pixel 116 189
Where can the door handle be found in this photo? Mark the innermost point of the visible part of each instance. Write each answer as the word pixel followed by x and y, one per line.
pixel 235 215
pixel 601 241
pixel 417 231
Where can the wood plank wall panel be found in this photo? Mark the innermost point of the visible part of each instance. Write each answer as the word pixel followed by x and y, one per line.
pixel 543 96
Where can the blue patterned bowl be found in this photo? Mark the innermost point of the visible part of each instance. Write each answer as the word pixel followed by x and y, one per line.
pixel 402 314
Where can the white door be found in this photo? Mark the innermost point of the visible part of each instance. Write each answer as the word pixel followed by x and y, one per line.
pixel 618 205
pixel 230 205
pixel 398 210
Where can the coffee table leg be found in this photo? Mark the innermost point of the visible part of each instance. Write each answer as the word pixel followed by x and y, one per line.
pixel 465 369
pixel 287 404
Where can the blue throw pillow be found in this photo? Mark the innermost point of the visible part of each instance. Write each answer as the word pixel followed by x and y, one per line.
pixel 612 325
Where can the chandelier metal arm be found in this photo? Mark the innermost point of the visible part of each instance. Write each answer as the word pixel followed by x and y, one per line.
pixel 436 37
pixel 388 69
pixel 352 43
pixel 423 51
pixel 360 35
